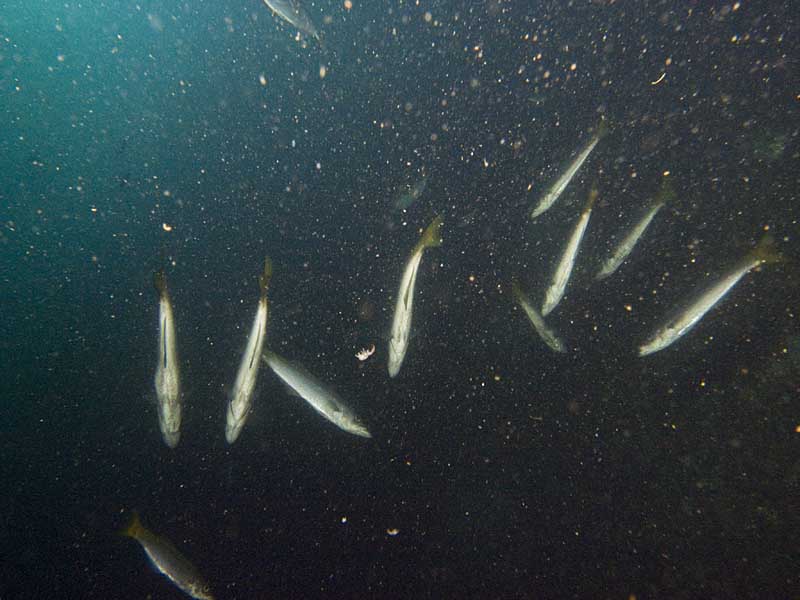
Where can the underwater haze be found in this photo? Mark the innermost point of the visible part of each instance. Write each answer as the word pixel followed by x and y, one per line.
pixel 200 138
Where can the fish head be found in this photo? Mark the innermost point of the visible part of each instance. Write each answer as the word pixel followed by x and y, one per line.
pixel 171 438
pixel 356 427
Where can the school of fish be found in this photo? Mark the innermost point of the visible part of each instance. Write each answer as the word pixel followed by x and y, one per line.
pixel 321 397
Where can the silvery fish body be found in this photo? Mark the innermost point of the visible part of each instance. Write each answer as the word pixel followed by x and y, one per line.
pixel 546 333
pixel 627 244
pixel 680 325
pixel 292 12
pixel 555 190
pixel 241 400
pixel 323 399
pixel 169 561
pixel 404 305
pixel 563 270
pixel 167 379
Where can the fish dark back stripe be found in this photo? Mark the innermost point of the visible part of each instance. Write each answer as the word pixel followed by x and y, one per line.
pixel 253 357
pixel 164 340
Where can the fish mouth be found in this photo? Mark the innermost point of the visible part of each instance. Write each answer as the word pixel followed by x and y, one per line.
pixel 232 433
pixel 171 438
pixel 360 430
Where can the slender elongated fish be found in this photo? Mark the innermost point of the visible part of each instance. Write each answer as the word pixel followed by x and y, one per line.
pixel 293 13
pixel 401 324
pixel 168 388
pixel 564 268
pixel 627 243
pixel 673 329
pixel 321 397
pixel 168 560
pixel 552 194
pixel 548 335
pixel 242 397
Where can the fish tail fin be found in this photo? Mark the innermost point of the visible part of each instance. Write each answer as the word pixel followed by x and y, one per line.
pixel 666 193
pixel 602 128
pixel 766 252
pixel 160 282
pixel 516 290
pixel 263 279
pixel 135 529
pixel 431 237
pixel 594 193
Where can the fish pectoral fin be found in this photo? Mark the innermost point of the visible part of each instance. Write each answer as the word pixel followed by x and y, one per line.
pixel 291 391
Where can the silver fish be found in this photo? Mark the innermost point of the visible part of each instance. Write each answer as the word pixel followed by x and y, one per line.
pixel 627 244
pixel 548 335
pixel 169 561
pixel 553 193
pixel 678 326
pixel 292 12
pixel 320 397
pixel 564 268
pixel 401 324
pixel 167 380
pixel 242 397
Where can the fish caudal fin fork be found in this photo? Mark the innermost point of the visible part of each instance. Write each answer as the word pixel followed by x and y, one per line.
pixel 134 528
pixel 432 237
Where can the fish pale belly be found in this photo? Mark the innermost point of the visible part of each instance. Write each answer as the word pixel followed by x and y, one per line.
pixel 241 402
pixel 396 356
pixel 169 406
pixel 174 566
pixel 236 415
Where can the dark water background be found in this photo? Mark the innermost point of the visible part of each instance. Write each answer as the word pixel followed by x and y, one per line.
pixel 510 472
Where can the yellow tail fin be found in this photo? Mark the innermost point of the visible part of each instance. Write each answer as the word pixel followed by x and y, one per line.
pixel 135 529
pixel 431 237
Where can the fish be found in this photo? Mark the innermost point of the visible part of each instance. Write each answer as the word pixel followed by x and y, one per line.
pixel 555 190
pixel 679 325
pixel 548 335
pixel 410 194
pixel 323 399
pixel 293 13
pixel 168 560
pixel 626 245
pixel 401 324
pixel 167 380
pixel 563 270
pixel 241 400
